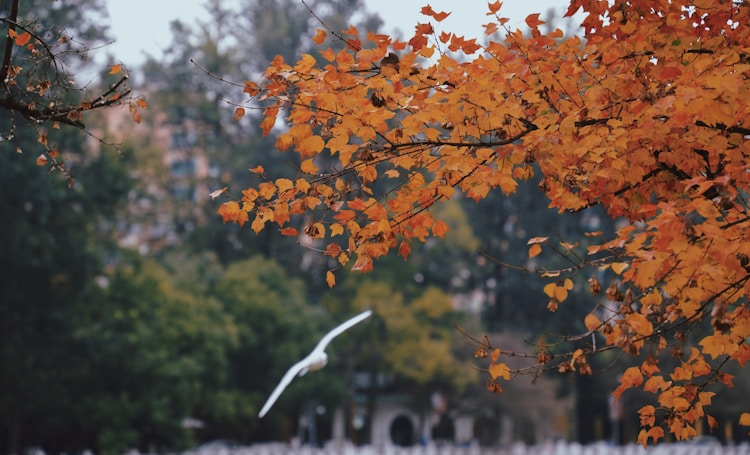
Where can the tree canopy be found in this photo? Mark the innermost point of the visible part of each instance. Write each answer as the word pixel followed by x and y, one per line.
pixel 645 114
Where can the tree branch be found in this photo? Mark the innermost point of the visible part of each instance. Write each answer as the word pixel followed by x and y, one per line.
pixel 8 52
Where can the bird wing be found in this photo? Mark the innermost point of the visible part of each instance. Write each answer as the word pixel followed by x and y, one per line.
pixel 321 346
pixel 305 363
pixel 290 374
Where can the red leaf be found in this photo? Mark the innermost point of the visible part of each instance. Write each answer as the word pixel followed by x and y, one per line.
pixel 23 38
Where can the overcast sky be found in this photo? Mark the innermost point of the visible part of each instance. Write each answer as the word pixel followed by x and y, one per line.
pixel 142 26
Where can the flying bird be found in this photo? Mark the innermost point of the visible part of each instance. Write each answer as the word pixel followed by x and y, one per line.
pixel 314 361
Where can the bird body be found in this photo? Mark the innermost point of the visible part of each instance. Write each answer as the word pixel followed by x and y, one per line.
pixel 314 361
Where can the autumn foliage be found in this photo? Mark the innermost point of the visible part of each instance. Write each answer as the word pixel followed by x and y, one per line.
pixel 37 89
pixel 645 113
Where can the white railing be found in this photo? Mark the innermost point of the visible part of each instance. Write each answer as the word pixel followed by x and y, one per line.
pixel 516 449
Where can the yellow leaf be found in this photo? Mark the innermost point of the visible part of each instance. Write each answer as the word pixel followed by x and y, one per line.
pixel 310 146
pixel 284 185
pixel 330 279
pixel 592 322
pixel 549 289
pixel 619 267
pixel 640 324
pixel 656 383
pixel 745 419
pixel 561 293
pixel 500 370
pixel 308 167
pixel 568 284
pixel 230 211
pixel 578 353
pixel 115 69
pixel 718 344
pixel 336 229
pixel 647 415
pixel 632 377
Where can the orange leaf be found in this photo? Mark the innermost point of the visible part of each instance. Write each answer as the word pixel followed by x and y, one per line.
pixel 289 231
pixel 534 250
pixel 533 21
pixel 404 249
pixel 115 69
pixel 230 211
pixel 745 419
pixel 439 228
pixel 427 51
pixel 320 36
pixel 333 250
pixel 239 113
pixel 363 264
pixel 330 279
pixel 494 7
pixel 428 11
pixel 41 160
pixel 712 423
pixel 328 54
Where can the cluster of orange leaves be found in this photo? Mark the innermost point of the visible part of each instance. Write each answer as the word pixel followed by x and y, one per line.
pixel 645 114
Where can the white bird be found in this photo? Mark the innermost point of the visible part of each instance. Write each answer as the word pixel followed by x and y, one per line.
pixel 314 361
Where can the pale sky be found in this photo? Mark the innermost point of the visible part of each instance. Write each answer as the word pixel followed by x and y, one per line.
pixel 142 26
